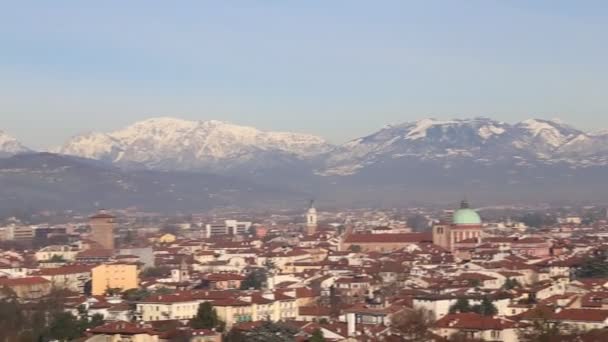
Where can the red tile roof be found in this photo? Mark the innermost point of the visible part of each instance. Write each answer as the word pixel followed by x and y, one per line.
pixel 473 321
pixel 582 315
pixel 389 238
pixel 23 281
pixel 68 269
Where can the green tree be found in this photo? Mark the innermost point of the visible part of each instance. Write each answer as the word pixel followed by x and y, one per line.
pixel 156 272
pixel 272 332
pixel 65 327
pixel 461 305
pixel 135 295
pixel 206 317
pixel 355 248
pixel 595 267
pixel 56 258
pixel 486 307
pixel 317 336
pixel 510 284
pixel 235 335
pixel 254 280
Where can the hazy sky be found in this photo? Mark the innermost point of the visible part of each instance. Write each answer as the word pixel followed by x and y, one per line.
pixel 339 69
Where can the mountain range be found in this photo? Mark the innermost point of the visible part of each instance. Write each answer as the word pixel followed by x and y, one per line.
pixel 424 160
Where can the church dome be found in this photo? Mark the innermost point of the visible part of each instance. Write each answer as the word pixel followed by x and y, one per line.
pixel 466 216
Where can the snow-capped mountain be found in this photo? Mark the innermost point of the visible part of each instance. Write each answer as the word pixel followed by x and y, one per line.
pixel 10 146
pixel 482 140
pixel 181 144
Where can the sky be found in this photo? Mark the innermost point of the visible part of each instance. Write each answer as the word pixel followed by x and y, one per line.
pixel 335 68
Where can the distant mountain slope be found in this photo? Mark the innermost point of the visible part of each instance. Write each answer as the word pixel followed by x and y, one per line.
pixel 50 181
pixel 482 141
pixel 168 143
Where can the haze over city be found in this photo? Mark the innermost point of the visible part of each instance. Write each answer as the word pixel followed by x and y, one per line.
pixel 303 171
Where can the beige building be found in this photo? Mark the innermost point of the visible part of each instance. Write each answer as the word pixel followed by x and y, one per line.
pixel 25 288
pixel 69 277
pixel 64 252
pixel 114 276
pixel 102 229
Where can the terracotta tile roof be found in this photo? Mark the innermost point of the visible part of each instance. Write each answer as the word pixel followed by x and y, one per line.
pixel 314 311
pixel 582 315
pixel 67 269
pixel 123 328
pixel 23 281
pixel 473 321
pixel 389 238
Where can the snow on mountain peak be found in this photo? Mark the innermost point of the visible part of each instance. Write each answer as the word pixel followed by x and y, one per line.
pixel 9 145
pixel 167 140
pixel 420 128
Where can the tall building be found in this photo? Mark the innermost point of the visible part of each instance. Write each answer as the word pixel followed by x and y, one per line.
pixel 466 224
pixel 102 229
pixel 311 219
pixel 228 227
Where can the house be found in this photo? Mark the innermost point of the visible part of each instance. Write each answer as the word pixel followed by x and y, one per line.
pixel 582 319
pixel 69 277
pixel 476 326
pixel 123 332
pixel 25 288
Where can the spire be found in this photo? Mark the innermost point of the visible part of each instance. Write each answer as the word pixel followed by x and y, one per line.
pixel 311 204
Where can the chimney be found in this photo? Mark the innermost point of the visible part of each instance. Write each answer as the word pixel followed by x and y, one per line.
pixel 351 322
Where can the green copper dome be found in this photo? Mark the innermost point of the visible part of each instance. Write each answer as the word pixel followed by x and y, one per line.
pixel 466 216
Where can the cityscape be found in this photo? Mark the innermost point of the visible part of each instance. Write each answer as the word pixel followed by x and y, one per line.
pixel 304 171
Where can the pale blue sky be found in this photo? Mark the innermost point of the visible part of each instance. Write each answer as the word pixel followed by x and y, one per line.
pixel 336 68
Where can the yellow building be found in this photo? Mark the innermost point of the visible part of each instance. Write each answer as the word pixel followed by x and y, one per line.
pixel 114 276
pixel 167 238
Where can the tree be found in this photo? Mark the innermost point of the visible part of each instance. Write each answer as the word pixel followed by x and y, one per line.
pixel 269 265
pixel 256 279
pixel 56 258
pixel 65 327
pixel 594 267
pixel 135 295
pixel 355 248
pixel 206 317
pixel 271 332
pixel 414 324
pixel 156 272
pixel 542 328
pixel 510 284
pixel 461 305
pixel 418 223
pixel 486 307
pixel 235 335
pixel 317 336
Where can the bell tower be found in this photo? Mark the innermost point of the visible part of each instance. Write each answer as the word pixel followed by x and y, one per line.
pixel 311 219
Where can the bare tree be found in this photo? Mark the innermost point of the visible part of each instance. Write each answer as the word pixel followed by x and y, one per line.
pixel 414 324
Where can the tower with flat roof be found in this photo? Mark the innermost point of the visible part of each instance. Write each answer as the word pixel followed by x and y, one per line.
pixel 102 229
